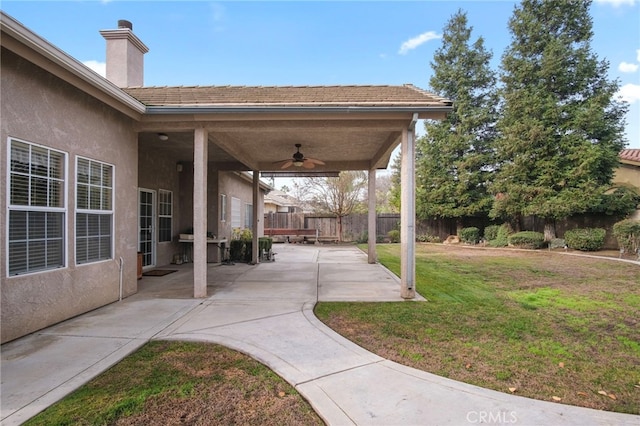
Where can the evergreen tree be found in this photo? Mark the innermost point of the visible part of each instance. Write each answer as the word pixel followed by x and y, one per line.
pixel 454 159
pixel 395 193
pixel 561 127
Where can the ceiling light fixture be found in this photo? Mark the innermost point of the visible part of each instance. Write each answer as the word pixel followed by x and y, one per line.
pixel 163 136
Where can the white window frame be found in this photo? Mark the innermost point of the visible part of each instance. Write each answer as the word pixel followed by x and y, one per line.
pixel 162 214
pixel 223 208
pixel 103 209
pixel 30 208
pixel 236 213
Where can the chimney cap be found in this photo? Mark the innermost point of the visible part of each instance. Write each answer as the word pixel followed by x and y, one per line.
pixel 122 23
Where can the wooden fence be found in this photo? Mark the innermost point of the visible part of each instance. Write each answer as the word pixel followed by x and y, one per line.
pixel 354 227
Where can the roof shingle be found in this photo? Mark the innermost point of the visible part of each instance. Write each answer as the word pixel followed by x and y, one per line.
pixel 405 95
pixel 630 154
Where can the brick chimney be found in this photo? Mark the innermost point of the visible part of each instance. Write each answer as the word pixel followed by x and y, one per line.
pixel 125 56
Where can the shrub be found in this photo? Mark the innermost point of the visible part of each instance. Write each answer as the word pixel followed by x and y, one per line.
pixel 470 235
pixel 502 237
pixel 557 243
pixel 627 232
pixel 491 232
pixel 363 238
pixel 264 244
pixel 394 235
pixel 585 239
pixel 527 239
pixel 247 251
pixel 426 238
pixel 236 249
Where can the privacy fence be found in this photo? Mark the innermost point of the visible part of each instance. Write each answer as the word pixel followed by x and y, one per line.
pixel 354 226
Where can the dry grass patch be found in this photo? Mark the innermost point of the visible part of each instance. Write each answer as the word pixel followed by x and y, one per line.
pixel 183 383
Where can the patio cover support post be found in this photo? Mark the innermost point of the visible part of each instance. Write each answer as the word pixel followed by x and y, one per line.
pixel 200 156
pixel 372 228
pixel 408 213
pixel 256 192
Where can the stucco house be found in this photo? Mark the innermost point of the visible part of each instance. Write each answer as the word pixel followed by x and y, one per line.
pixel 628 172
pixel 280 202
pixel 98 169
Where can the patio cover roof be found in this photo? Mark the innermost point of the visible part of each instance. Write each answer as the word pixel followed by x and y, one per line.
pixel 254 127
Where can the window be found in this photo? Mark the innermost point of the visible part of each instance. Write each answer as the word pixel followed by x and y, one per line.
pixel 36 208
pixel 248 216
pixel 236 213
pixel 94 211
pixel 165 215
pixel 223 208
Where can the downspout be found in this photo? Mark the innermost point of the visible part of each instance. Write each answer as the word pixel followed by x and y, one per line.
pixel 121 269
pixel 414 121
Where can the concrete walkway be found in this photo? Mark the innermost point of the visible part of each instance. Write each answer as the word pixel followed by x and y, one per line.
pixel 266 311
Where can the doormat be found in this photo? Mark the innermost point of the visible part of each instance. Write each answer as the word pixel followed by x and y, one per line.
pixel 158 272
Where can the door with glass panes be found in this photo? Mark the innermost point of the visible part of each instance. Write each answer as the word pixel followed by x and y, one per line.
pixel 146 228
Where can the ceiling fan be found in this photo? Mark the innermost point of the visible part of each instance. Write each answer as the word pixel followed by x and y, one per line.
pixel 299 160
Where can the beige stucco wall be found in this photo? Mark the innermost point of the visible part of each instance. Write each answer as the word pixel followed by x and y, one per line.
pixel 40 108
pixel 233 185
pixel 159 171
pixel 627 174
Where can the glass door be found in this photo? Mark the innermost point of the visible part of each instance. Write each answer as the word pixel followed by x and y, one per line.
pixel 146 228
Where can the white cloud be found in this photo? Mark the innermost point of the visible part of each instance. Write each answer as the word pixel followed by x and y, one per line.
pixel 630 93
pixel 627 67
pixel 218 11
pixel 417 41
pixel 617 3
pixel 99 67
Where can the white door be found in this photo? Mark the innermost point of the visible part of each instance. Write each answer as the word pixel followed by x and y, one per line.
pixel 146 227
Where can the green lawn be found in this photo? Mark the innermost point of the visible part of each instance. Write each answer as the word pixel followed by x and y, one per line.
pixel 535 323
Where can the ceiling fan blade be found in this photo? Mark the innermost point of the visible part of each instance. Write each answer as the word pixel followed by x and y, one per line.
pixel 286 164
pixel 315 161
pixel 308 164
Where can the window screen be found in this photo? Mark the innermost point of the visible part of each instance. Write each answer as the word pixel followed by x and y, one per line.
pixel 36 208
pixel 94 211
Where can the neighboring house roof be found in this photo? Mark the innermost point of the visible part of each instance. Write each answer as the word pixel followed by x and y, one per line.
pixel 280 198
pixel 630 156
pixel 291 96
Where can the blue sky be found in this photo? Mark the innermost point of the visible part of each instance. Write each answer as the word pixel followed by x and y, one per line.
pixel 310 43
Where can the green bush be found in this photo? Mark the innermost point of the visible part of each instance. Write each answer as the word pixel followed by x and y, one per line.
pixel 363 238
pixel 426 238
pixel 502 237
pixel 236 250
pixel 527 239
pixel 470 235
pixel 557 243
pixel 247 251
pixel 394 235
pixel 627 232
pixel 491 232
pixel 585 239
pixel 264 244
